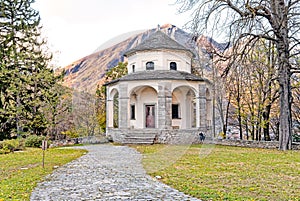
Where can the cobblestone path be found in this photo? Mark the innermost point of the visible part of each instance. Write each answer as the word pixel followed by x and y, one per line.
pixel 106 172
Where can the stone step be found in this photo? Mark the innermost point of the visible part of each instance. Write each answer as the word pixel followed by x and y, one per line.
pixel 135 142
pixel 140 137
pixel 138 140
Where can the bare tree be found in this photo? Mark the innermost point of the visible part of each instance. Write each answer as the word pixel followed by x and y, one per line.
pixel 85 114
pixel 259 90
pixel 248 22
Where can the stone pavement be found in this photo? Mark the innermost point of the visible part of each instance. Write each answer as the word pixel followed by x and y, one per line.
pixel 106 172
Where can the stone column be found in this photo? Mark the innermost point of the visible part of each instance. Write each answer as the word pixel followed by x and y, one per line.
pixel 123 106
pixel 164 105
pixel 201 106
pixel 109 113
pixel 109 109
pixel 168 94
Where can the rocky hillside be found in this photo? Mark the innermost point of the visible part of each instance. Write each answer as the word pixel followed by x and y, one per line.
pixel 85 73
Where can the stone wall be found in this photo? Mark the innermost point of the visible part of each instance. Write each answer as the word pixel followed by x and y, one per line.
pixel 254 144
pixel 178 136
pixel 116 135
pixel 188 136
pixel 97 139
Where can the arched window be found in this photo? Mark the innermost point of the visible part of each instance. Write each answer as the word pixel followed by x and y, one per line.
pixel 150 65
pixel 133 68
pixel 173 66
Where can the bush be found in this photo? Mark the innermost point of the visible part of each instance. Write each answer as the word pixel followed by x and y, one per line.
pixel 7 146
pixel 34 141
pixel 71 134
pixel 296 137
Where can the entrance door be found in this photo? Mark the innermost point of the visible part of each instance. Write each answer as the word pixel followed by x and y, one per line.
pixel 150 116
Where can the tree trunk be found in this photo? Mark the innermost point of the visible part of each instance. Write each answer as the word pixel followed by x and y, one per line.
pixel 266 117
pixel 246 129
pixel 285 123
pixel 256 131
pixel 239 115
pixel 281 30
pixel 226 116
pixel 240 125
pixel 285 120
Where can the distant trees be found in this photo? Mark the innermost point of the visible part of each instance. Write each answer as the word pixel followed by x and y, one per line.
pixel 58 111
pixel 254 92
pixel 246 24
pixel 25 79
pixel 84 110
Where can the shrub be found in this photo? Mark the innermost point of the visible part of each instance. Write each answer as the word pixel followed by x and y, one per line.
pixel 34 141
pixel 71 134
pixel 296 137
pixel 7 146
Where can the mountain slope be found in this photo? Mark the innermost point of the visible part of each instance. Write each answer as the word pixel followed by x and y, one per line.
pixel 85 73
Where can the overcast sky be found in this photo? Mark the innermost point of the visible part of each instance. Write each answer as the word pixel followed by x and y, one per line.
pixel 75 28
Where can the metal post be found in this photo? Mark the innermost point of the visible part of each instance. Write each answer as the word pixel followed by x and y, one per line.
pixel 44 147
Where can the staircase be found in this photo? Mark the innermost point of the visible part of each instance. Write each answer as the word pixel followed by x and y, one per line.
pixel 139 137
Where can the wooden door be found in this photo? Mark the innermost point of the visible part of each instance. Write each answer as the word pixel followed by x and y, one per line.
pixel 150 116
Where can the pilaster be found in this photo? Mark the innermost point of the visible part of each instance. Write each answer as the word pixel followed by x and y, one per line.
pixel 164 105
pixel 201 106
pixel 123 105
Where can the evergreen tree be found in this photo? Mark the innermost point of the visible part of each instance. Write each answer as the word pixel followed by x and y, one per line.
pixel 24 77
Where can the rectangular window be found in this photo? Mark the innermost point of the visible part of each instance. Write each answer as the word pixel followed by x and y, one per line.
pixel 132 116
pixel 175 111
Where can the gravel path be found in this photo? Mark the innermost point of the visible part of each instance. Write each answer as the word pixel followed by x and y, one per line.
pixel 106 172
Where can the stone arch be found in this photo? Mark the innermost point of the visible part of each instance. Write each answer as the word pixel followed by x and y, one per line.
pixel 115 101
pixel 143 100
pixel 112 108
pixel 112 93
pixel 136 89
pixel 183 103
pixel 186 85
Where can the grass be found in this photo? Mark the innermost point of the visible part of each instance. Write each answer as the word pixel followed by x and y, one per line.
pixel 212 172
pixel 20 171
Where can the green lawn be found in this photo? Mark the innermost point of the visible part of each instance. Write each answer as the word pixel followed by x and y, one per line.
pixel 20 171
pixel 214 172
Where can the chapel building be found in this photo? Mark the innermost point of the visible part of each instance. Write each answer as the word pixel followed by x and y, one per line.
pixel 160 100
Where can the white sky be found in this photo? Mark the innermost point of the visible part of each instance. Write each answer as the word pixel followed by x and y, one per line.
pixel 75 28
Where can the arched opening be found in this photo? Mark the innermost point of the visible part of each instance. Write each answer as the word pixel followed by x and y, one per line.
pixel 173 66
pixel 183 107
pixel 150 65
pixel 143 107
pixel 115 108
